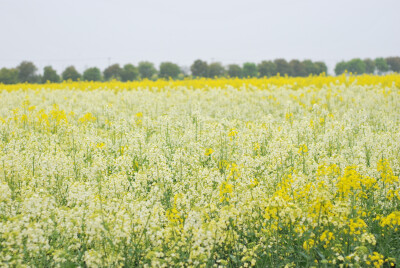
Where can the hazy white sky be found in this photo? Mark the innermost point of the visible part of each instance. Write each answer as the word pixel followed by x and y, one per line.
pixel 89 33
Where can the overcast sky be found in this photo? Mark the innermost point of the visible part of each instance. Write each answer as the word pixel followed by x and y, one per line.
pixel 88 33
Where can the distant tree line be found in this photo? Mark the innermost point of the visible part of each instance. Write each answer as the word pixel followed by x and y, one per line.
pixel 27 72
pixel 263 69
pixel 369 66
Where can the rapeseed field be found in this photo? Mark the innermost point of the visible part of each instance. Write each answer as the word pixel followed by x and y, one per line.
pixel 273 172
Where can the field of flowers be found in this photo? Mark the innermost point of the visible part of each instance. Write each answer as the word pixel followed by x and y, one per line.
pixel 204 173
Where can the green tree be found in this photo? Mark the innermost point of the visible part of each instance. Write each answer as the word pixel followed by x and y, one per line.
pixel 169 70
pixel 340 67
pixel 216 69
pixel 92 74
pixel 282 67
pixel 381 65
pixel 147 70
pixel 112 72
pixel 369 66
pixel 321 67
pixel 49 74
pixel 266 69
pixel 8 76
pixel 27 72
pixel 70 73
pixel 199 68
pixel 235 70
pixel 297 68
pixel 129 73
pixel 310 67
pixel 394 64
pixel 356 66
pixel 249 69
